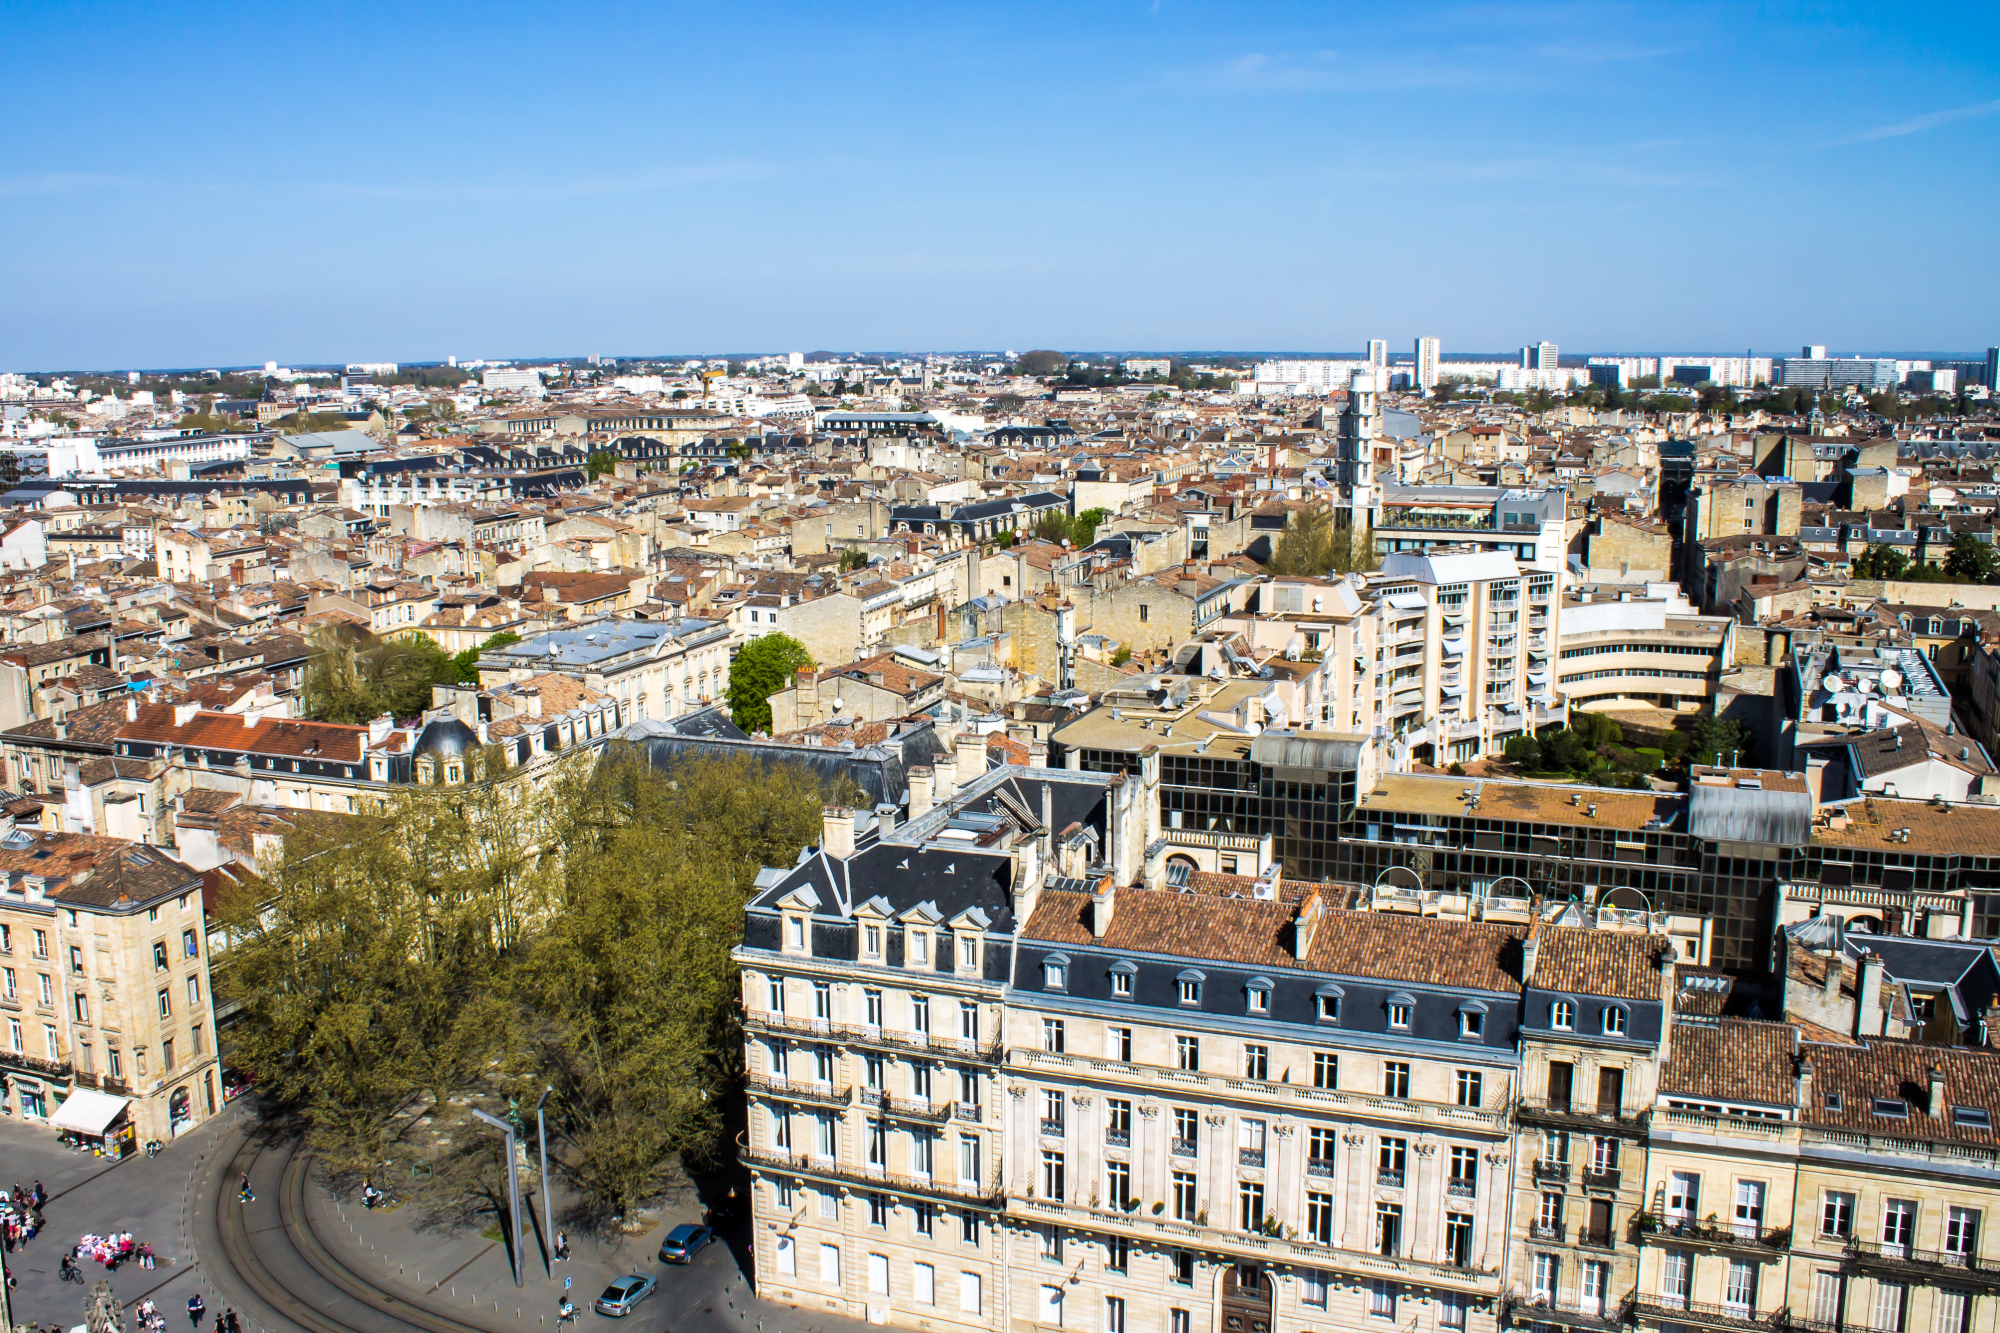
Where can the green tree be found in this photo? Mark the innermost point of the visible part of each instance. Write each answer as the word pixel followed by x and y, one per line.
pixel 599 463
pixel 1524 752
pixel 1313 545
pixel 1713 736
pixel 765 666
pixel 853 558
pixel 1881 562
pixel 465 665
pixel 1970 558
pixel 1041 362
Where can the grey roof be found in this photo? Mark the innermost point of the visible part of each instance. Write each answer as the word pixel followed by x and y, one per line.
pixel 1287 749
pixel 1737 814
pixel 445 736
pixel 597 642
pixel 879 770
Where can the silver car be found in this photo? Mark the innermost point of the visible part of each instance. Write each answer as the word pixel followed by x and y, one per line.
pixel 624 1293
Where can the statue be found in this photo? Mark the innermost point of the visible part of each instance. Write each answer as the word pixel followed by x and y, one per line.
pixel 102 1312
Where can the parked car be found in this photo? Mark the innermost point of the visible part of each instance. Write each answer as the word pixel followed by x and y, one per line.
pixel 624 1293
pixel 683 1243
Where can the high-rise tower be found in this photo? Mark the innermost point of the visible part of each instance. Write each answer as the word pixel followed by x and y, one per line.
pixel 1428 352
pixel 1359 425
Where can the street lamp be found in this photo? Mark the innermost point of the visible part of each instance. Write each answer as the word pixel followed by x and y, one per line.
pixel 548 1209
pixel 513 1187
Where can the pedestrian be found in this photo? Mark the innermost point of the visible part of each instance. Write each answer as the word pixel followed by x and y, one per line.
pixel 195 1307
pixel 562 1246
pixel 245 1194
pixel 146 1257
pixel 235 1324
pixel 220 1327
pixel 41 1195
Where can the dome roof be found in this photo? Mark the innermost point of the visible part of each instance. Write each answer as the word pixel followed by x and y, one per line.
pixel 445 737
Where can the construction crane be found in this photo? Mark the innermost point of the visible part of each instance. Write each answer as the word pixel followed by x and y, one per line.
pixel 710 374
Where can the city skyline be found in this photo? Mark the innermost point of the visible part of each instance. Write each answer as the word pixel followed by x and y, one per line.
pixel 1150 176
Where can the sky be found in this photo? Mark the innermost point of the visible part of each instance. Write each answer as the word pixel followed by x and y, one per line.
pixel 190 186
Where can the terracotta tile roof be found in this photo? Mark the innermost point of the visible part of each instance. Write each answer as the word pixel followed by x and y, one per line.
pixel 896 677
pixel 1258 933
pixel 1963 829
pixel 90 871
pixel 328 741
pixel 1611 963
pixel 1881 1068
pixel 1731 1060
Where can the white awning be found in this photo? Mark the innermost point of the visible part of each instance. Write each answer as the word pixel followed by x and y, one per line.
pixel 1405 601
pixel 87 1112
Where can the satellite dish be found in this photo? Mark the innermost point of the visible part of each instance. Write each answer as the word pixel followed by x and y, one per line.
pixel 1892 680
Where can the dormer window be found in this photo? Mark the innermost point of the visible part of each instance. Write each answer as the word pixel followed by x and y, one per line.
pixel 1472 1022
pixel 1121 980
pixel 795 933
pixel 1189 983
pixel 1257 996
pixel 1400 1009
pixel 871 941
pixel 968 953
pixel 1326 1004
pixel 1055 972
pixel 919 948
pixel 1562 1015
pixel 1614 1021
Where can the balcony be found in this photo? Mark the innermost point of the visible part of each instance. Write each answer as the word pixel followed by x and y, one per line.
pixel 1460 1188
pixel 987 1192
pixel 798 1090
pixel 1571 1115
pixel 1250 1157
pixel 1903 1262
pixel 1531 1311
pixel 1182 1148
pixel 863 1034
pixel 971 1112
pixel 1666 1310
pixel 1597 1238
pixel 1552 1233
pixel 1391 1179
pixel 1117 1138
pixel 1601 1178
pixel 30 1064
pixel 893 1107
pixel 1051 1128
pixel 1551 1171
pixel 1320 1166
pixel 1656 1227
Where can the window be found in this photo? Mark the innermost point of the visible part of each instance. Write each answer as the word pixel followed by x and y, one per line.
pixel 923 1284
pixel 1676 1277
pixel 1050 1240
pixel 824 1127
pixel 775 996
pixel 1749 1207
pixel 822 1000
pixel 49 990
pixel 968 1294
pixel 876 1136
pixel 1145 612
pixel 829 1264
pixel 1562 1015
pixel 871 1071
pixel 1458 1239
pixel 968 1021
pixel 1312 1288
pixel 1117 1254
pixel 1326 1006
pixel 1180 1321
pixel 1548 1276
pixel 1890 1300
pixel 1319 1218
pixel 1052 1111
pixel 1256 1061
pixel 1396 1078
pixel 1836 1214
pixel 871 1001
pixel 918 944
pixel 1187 1052
pixel 1549 1214
pixel 921 1219
pixel 1052 1035
pixel 1118 1044
pixel 1326 1070
pixel 1740 1294
pixel 41 944
pixel 1121 985
pixel 167 1055
pixel 920 1013
pixel 1899 1228
pixel 1184 1198
pixel 1399 1014
pixel 1390 1154
pixel 968 953
pixel 1451 1311
pixel 795 932
pixel 968 1159
pixel 1614 1021
pixel 1118 1185
pixel 1055 975
pixel 1319 1150
pixel 788 1257
pixel 920 1080
pixel 1114 1314
pixel 1596 1281
pixel 1465 1170
pixel 75 960
pixel 1259 999
pixel 1470 1087
pixel 81 1006
pixel 1952 1308
pixel 1471 1024
pixel 1961 1231
pixel 1250 1141
pixel 1250 1205
pixel 1388 1229
pixel 166 1004
pixel 1190 988
pixel 871 941
pixel 1187 1131
pixel 878 1216
pixel 1382 1299
pixel 1117 1121
pixel 1683 1196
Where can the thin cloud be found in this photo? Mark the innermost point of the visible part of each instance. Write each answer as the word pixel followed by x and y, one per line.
pixel 530 191
pixel 59 183
pixel 1918 124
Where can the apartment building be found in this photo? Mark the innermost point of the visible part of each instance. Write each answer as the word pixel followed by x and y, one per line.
pixel 104 985
pixel 1646 645
pixel 1528 524
pixel 655 669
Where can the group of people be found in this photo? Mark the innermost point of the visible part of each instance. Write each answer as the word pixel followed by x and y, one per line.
pixel 117 1248
pixel 226 1322
pixel 21 1214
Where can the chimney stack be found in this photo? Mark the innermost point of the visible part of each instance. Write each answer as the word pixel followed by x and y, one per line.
pixel 920 791
pixel 1803 1098
pixel 1305 926
pixel 971 750
pixel 1038 754
pixel 1102 902
pixel 1937 1106
pixel 837 837
pixel 944 769
pixel 885 819
pixel 1830 988
pixel 1868 998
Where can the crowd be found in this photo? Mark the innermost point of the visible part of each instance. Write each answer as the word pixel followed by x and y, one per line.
pixel 21 1212
pixel 112 1250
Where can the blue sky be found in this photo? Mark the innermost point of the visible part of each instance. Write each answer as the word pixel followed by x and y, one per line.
pixel 189 186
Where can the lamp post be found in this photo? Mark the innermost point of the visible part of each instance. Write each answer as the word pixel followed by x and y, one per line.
pixel 548 1209
pixel 513 1186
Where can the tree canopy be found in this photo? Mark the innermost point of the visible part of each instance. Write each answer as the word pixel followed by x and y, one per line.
pixel 356 679
pixel 763 667
pixel 1311 545
pixel 1079 531
pixel 1041 362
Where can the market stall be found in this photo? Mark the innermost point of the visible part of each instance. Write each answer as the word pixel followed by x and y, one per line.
pixel 96 1120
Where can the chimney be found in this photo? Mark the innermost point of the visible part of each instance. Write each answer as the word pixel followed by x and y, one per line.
pixel 249 719
pixel 945 770
pixel 806 685
pixel 1305 926
pixel 971 748
pixel 1937 1106
pixel 1802 1099
pixel 131 708
pixel 1038 754
pixel 184 713
pixel 1868 999
pixel 920 791
pixel 533 699
pixel 1830 988
pixel 837 838
pixel 1102 903
pixel 885 819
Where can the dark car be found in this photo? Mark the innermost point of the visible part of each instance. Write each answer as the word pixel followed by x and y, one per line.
pixel 624 1293
pixel 683 1242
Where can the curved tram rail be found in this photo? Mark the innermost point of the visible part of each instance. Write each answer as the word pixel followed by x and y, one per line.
pixel 307 1305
